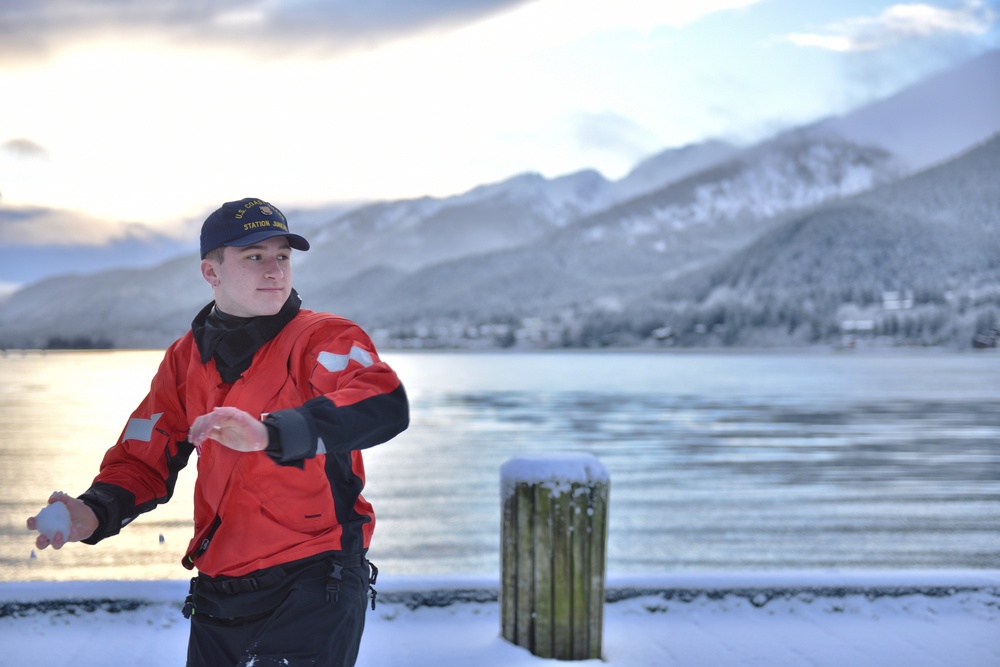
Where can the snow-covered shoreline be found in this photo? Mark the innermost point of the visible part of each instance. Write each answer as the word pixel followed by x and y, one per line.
pixel 861 618
pixel 620 586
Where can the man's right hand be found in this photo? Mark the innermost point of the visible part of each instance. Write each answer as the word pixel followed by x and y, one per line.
pixel 82 522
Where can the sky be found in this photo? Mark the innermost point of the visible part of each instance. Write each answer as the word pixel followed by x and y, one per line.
pixel 154 112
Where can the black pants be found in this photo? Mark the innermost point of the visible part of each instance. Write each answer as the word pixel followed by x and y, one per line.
pixel 302 617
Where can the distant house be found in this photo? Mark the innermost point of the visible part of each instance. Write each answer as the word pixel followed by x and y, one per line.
pixel 897 300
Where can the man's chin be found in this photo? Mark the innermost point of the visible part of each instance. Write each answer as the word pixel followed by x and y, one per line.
pixel 269 304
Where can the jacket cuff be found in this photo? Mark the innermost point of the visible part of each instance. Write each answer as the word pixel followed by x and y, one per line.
pixel 112 506
pixel 290 437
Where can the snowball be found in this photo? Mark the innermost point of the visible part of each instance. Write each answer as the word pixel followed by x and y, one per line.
pixel 54 519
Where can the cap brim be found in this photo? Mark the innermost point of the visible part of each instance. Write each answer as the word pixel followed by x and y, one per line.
pixel 294 240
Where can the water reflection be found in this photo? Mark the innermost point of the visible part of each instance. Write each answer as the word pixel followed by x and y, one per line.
pixel 717 461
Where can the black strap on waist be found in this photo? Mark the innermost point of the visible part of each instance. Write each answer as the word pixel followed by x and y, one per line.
pixel 243 584
pixel 274 575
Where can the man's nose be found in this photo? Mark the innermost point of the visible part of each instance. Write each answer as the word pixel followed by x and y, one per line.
pixel 272 269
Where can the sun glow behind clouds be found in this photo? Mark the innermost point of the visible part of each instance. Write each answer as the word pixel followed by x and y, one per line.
pixel 123 125
pixel 145 130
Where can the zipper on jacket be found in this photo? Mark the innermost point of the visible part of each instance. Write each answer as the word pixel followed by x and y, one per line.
pixel 203 547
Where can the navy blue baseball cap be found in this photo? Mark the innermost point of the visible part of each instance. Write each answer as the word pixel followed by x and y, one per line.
pixel 245 222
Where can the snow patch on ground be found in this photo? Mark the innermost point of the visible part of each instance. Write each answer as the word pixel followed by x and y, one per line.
pixel 919 619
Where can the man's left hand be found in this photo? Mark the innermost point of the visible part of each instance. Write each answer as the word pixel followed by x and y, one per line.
pixel 231 427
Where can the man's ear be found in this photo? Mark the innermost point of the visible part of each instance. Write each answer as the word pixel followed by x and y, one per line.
pixel 208 272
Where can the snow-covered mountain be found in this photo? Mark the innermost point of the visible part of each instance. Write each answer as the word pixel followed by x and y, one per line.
pixel 671 166
pixel 792 278
pixel 914 261
pixel 755 184
pixel 412 234
pixel 581 260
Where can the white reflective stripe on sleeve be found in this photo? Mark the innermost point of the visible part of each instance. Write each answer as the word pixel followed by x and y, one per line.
pixel 141 429
pixel 338 362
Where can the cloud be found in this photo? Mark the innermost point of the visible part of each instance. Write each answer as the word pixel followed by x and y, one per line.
pixel 900 23
pixel 35 28
pixel 29 226
pixel 20 147
pixel 612 133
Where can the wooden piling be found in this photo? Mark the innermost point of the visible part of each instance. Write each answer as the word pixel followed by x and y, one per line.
pixel 553 550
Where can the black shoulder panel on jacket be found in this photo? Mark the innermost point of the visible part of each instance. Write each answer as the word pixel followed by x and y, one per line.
pixel 361 425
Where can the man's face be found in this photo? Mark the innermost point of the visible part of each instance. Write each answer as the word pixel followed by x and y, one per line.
pixel 253 280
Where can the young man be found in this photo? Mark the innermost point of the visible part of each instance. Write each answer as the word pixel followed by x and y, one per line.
pixel 277 402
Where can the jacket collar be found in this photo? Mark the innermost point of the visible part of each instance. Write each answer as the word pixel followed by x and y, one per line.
pixel 232 341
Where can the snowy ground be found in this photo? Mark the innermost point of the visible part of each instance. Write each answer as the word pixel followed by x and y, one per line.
pixel 808 618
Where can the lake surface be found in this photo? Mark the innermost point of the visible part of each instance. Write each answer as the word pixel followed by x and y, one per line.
pixel 718 461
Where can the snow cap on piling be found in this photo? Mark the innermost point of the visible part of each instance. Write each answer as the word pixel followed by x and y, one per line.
pixel 558 470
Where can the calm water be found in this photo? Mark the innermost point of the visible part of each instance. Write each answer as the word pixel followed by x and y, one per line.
pixel 718 461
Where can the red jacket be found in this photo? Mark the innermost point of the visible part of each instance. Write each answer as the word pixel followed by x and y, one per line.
pixel 322 387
